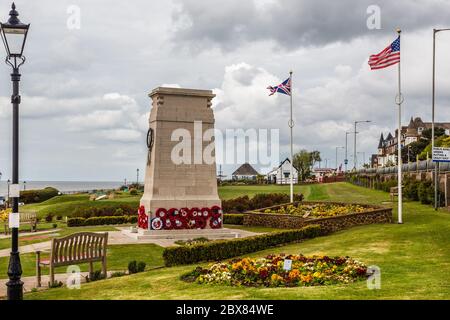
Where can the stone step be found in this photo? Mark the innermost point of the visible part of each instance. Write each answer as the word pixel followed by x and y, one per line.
pixel 183 234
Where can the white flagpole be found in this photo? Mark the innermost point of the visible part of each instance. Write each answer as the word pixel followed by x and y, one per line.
pixel 291 125
pixel 399 140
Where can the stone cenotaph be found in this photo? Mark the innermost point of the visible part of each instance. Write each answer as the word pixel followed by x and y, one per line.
pixel 180 189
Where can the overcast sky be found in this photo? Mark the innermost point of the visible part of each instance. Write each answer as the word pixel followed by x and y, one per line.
pixel 84 111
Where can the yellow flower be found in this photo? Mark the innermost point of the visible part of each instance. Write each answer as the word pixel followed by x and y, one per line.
pixel 294 274
pixel 276 278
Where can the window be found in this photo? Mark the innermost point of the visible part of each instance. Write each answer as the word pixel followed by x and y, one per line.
pixel 286 174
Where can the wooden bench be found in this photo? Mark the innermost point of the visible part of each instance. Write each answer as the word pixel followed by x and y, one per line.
pixel 25 218
pixel 83 247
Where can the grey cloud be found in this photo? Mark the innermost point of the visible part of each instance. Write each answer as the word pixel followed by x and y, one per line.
pixel 293 23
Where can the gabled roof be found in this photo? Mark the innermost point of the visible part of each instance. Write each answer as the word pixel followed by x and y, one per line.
pixel 281 164
pixel 389 137
pixel 245 170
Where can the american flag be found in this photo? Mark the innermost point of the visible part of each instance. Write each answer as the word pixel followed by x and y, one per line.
pixel 284 87
pixel 387 57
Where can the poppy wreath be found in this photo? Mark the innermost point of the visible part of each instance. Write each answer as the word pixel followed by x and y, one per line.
pixel 215 223
pixel 161 213
pixel 216 212
pixel 206 213
pixel 200 222
pixel 184 218
pixel 169 224
pixel 156 223
pixel 173 213
pixel 185 213
pixel 194 213
pixel 142 218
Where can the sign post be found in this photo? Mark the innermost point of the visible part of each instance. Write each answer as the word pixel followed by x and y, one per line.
pixel 439 154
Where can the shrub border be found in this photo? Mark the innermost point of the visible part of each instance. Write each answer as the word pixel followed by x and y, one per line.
pixel 224 249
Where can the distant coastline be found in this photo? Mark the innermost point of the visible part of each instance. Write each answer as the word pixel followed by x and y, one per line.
pixel 63 186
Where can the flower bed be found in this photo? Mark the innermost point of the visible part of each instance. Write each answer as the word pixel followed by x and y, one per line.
pixel 269 271
pixel 331 216
pixel 317 210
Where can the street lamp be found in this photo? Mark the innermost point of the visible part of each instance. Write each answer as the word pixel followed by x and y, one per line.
pixel 436 185
pixel 24 185
pixel 346 148
pixel 354 146
pixel 137 178
pixel 336 162
pixel 9 201
pixel 14 34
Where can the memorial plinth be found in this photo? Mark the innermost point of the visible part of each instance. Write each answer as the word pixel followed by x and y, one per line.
pixel 180 190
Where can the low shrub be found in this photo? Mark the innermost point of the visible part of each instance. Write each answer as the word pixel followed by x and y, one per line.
pixel 36 196
pixel 95 276
pixel 105 210
pixel 49 217
pixel 55 225
pixel 136 267
pixel 59 217
pixel 224 249
pixel 233 218
pixel 133 192
pixel 117 274
pixel 261 200
pixel 98 221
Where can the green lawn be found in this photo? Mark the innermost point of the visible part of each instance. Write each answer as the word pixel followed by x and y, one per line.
pixel 414 259
pixel 65 205
pixel 63 231
pixel 117 259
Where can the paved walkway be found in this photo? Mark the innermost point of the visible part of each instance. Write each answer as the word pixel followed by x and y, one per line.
pixel 26 234
pixel 114 238
pixel 29 283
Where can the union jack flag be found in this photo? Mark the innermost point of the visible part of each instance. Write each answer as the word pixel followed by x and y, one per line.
pixel 389 56
pixel 284 87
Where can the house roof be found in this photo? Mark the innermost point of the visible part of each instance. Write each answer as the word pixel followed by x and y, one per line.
pixel 245 170
pixel 281 164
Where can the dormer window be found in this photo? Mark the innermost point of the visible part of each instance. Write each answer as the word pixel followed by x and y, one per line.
pixel 419 130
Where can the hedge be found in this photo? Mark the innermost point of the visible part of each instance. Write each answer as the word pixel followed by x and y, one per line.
pixel 233 218
pixel 98 221
pixel 260 200
pixel 224 249
pixel 107 210
pixel 36 196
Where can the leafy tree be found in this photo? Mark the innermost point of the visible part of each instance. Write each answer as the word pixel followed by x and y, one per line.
pixel 304 161
pixel 315 157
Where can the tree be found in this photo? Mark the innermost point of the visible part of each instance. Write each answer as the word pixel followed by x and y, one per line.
pixel 304 161
pixel 315 157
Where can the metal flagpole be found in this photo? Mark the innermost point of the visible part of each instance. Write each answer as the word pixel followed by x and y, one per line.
pixel 399 101
pixel 291 125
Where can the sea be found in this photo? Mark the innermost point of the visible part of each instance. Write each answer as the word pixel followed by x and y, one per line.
pixel 63 186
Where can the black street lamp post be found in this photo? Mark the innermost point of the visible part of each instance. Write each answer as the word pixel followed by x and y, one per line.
pixel 14 35
pixel 9 200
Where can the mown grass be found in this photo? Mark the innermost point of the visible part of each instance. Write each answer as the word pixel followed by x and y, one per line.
pixel 63 231
pixel 118 257
pixel 66 205
pixel 414 259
